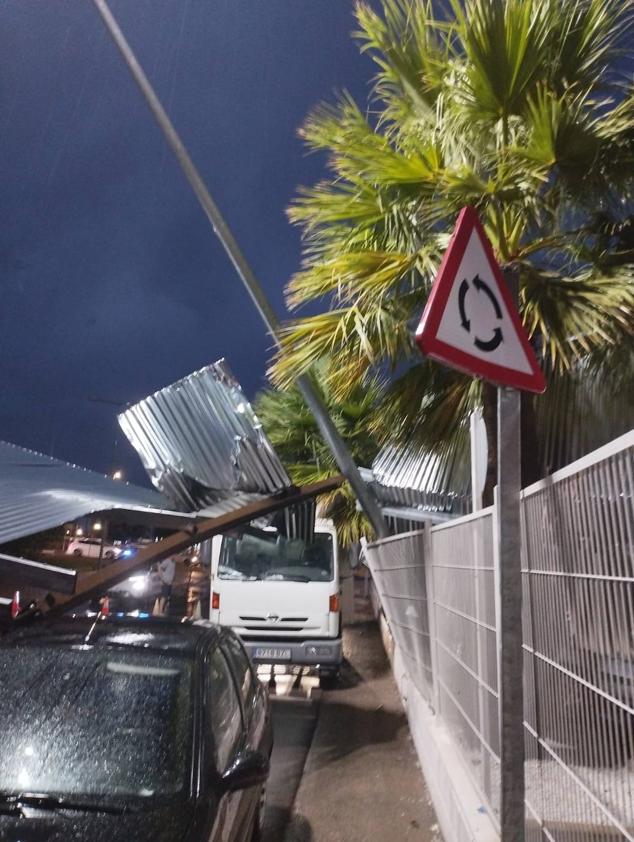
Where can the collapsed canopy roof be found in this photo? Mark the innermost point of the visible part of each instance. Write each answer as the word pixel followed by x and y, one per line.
pixel 38 492
pixel 200 441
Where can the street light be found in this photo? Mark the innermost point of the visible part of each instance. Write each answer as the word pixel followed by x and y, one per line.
pixel 115 473
pixel 97 526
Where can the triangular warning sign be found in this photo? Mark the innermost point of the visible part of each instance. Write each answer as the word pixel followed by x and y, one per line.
pixel 470 321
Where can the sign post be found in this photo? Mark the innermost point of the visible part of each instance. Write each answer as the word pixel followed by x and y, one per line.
pixel 509 609
pixel 471 323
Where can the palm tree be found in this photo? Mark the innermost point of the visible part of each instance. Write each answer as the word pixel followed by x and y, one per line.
pixel 294 434
pixel 521 109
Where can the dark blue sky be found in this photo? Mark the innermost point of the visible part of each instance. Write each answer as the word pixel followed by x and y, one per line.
pixel 113 284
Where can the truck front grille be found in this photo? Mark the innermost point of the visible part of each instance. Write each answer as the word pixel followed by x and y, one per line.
pixel 270 627
pixel 260 619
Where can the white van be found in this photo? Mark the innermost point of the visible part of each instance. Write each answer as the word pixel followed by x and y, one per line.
pixel 281 595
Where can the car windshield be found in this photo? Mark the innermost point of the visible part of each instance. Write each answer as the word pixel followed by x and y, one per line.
pixel 270 556
pixel 93 721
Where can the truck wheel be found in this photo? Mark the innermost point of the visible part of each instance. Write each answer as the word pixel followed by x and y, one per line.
pixel 329 678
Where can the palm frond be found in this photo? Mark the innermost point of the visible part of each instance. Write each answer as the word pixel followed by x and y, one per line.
pixel 577 315
pixel 410 54
pixel 369 336
pixel 360 276
pixel 294 433
pixel 506 47
pixel 586 38
pixel 516 108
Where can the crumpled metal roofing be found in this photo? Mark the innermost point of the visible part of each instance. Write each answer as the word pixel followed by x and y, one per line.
pixel 201 443
pixel 38 492
pixel 419 479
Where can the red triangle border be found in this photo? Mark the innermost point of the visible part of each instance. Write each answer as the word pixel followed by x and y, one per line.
pixel 426 337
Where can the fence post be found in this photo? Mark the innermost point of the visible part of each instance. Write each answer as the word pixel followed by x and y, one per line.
pixel 431 616
pixel 481 648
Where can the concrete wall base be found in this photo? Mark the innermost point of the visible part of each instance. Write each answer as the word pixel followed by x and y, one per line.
pixel 461 814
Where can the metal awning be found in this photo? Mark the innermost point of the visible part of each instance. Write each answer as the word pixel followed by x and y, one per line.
pixel 38 493
pixel 201 444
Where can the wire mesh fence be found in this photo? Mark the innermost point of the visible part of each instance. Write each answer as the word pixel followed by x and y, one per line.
pixel 578 573
pixel 463 588
pixel 399 578
pixel 438 593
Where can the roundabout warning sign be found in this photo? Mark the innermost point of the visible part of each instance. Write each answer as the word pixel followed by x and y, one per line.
pixel 470 321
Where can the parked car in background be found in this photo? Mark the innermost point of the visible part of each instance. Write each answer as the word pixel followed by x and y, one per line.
pixel 91 547
pixel 140 591
pixel 142 729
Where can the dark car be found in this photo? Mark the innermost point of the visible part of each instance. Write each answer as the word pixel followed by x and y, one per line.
pixel 129 729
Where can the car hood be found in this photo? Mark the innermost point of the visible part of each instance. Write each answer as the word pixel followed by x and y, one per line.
pixel 163 825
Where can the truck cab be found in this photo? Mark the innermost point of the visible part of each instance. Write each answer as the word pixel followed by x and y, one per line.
pixel 280 594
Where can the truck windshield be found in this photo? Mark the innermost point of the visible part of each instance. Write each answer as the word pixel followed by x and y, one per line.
pixel 271 557
pixel 89 722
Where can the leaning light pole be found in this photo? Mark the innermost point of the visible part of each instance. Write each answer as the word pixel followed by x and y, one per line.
pixel 245 273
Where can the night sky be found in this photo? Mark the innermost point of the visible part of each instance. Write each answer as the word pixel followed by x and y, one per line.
pixel 113 284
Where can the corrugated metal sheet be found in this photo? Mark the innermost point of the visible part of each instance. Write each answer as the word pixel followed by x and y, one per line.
pixel 418 479
pixel 201 442
pixel 38 492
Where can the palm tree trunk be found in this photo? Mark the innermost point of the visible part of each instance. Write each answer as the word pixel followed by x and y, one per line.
pixel 531 469
pixel 490 416
pixel 530 449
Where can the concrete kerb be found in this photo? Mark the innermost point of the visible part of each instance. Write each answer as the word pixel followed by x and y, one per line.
pixel 461 813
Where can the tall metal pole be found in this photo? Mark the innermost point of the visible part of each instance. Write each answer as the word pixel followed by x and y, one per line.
pixel 509 612
pixel 221 229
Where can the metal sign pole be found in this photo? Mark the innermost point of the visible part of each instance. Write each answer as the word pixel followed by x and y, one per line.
pixel 509 612
pixel 314 401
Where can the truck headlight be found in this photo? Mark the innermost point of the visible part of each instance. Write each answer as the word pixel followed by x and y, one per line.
pixel 319 651
pixel 138 584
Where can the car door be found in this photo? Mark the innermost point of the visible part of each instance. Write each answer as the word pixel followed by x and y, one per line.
pixel 253 695
pixel 223 713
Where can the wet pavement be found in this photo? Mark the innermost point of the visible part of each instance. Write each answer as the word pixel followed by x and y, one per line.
pixel 343 767
pixel 361 779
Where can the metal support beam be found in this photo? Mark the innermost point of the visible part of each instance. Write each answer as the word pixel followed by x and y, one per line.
pixel 221 229
pixel 509 613
pixel 37 574
pixel 96 584
pixel 418 515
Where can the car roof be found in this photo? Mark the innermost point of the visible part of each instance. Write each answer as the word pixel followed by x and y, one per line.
pixel 165 634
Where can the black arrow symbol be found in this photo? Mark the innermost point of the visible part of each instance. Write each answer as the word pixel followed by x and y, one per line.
pixel 464 288
pixel 479 284
pixel 489 344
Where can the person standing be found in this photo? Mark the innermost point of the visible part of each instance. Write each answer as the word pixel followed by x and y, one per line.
pixel 167 572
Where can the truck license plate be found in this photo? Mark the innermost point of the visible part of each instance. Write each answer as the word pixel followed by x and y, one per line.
pixel 271 653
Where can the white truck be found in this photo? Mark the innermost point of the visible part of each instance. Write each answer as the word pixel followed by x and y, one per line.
pixel 281 595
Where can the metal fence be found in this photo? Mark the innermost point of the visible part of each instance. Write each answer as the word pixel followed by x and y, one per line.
pixel 462 582
pixel 578 572
pixel 578 625
pixel 399 578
